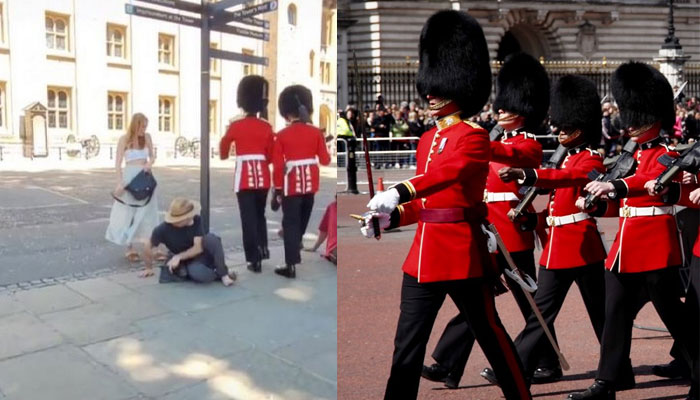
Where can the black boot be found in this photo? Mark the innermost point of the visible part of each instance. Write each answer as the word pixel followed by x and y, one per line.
pixel 438 373
pixel 673 370
pixel 264 252
pixel 435 373
pixel 288 270
pixel 489 375
pixel 255 266
pixel 546 375
pixel 599 390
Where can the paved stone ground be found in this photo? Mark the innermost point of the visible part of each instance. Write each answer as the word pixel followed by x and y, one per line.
pixel 368 305
pixel 118 336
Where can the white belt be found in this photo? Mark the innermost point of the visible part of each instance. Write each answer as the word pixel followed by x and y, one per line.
pixel 645 211
pixel 250 157
pixel 567 219
pixel 299 163
pixel 503 196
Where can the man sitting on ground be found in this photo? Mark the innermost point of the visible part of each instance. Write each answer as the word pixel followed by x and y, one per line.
pixel 193 254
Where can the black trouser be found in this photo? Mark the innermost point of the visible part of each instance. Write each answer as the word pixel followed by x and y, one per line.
pixel 251 204
pixel 420 303
pixel 296 211
pixel 621 306
pixel 455 344
pixel 208 266
pixel 552 287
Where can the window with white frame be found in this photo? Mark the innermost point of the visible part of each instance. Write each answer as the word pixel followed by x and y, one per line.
pixel 166 49
pixel 59 107
pixel 213 126
pixel 2 106
pixel 2 23
pixel 166 112
pixel 292 14
pixel 326 28
pixel 312 57
pixel 248 69
pixel 214 62
pixel 116 111
pixel 57 32
pixel 116 41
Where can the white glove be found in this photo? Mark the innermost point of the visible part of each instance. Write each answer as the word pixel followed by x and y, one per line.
pixel 491 241
pixel 384 202
pixel 366 226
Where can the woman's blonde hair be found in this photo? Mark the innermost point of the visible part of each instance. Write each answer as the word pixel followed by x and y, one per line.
pixel 132 139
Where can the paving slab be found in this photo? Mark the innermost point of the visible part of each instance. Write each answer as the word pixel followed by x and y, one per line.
pixel 316 354
pixel 50 299
pixel 9 305
pixel 172 352
pixel 136 306
pixel 131 280
pixel 61 373
pixel 186 297
pixel 268 322
pixel 23 333
pixel 89 324
pixel 99 288
pixel 256 375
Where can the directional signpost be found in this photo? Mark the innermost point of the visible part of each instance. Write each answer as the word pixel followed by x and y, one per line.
pixel 211 17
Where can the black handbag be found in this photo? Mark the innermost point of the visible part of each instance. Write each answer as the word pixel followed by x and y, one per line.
pixel 141 188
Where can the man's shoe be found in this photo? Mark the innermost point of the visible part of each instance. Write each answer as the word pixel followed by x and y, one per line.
pixel 435 373
pixel 255 266
pixel 288 270
pixel 546 375
pixel 674 370
pixel 599 390
pixel 452 380
pixel 488 374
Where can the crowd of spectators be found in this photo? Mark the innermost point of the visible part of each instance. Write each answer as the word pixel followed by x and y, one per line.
pixel 403 124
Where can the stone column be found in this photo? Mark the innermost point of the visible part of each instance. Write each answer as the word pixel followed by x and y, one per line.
pixel 671 57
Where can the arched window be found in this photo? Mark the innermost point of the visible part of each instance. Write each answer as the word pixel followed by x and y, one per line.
pixel 292 14
pixel 312 56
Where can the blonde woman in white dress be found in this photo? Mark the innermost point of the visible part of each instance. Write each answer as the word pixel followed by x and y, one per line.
pixel 129 225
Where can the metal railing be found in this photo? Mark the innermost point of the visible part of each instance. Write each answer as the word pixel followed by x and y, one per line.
pixel 381 157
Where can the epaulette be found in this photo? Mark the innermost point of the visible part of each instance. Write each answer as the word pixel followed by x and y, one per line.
pixel 236 118
pixel 528 135
pixel 594 152
pixel 472 124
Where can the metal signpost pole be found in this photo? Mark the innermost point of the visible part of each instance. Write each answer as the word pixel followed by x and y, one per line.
pixel 204 118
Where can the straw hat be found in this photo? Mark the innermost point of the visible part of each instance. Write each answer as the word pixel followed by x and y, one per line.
pixel 182 209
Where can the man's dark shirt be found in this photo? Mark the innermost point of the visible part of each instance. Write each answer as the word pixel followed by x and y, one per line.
pixel 175 239
pixel 387 120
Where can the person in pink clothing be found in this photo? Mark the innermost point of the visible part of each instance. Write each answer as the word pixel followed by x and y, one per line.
pixel 328 229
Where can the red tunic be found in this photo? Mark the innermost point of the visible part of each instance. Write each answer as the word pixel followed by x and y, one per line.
pixel 651 242
pixel 452 165
pixel 329 224
pixel 298 150
pixel 253 139
pixel 575 244
pixel 520 150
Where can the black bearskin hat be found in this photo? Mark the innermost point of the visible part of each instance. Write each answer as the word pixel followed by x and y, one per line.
pixel 296 101
pixel 252 94
pixel 454 61
pixel 643 96
pixel 576 105
pixel 523 89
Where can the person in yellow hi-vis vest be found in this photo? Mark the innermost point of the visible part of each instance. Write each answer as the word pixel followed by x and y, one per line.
pixel 346 131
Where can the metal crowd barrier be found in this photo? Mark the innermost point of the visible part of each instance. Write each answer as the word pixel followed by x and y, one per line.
pixel 381 155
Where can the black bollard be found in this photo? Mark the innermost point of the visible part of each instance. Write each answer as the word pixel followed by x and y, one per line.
pixel 351 166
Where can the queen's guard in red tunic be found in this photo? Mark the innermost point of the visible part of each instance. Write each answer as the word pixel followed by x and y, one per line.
pixel 685 195
pixel 574 251
pixel 253 139
pixel 446 200
pixel 646 254
pixel 299 148
pixel 521 102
